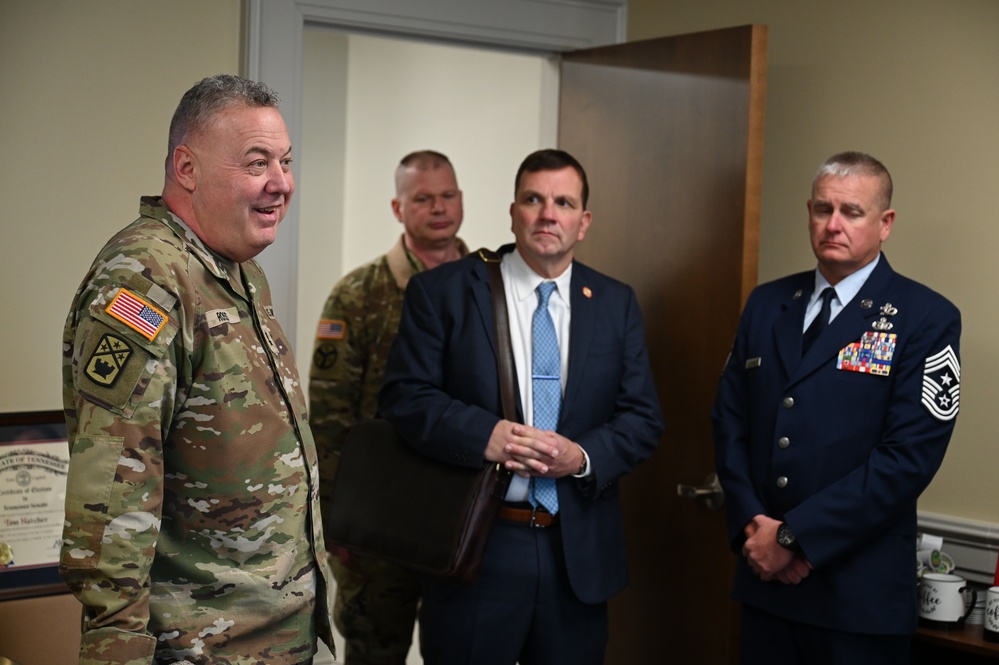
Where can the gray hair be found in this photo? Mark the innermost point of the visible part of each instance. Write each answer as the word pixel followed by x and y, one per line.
pixel 850 163
pixel 209 97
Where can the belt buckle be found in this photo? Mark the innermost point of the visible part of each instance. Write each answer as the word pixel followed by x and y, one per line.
pixel 534 519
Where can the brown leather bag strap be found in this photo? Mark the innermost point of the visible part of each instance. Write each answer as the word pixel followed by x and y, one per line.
pixel 504 348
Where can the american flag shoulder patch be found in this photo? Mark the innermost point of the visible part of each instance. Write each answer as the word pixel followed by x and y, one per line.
pixel 137 314
pixel 331 329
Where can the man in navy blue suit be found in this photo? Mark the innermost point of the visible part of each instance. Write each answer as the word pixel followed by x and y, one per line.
pixel 833 414
pixel 552 560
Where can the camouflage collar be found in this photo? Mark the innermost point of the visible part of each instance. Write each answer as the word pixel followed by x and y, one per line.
pixel 403 264
pixel 222 268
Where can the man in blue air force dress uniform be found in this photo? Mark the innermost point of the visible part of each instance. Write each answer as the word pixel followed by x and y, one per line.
pixel 833 414
pixel 556 553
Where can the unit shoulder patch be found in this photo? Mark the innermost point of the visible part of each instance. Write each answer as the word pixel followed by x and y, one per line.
pixel 325 356
pixel 108 360
pixel 111 366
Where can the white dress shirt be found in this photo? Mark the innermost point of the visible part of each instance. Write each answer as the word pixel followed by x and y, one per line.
pixel 520 282
pixel 846 290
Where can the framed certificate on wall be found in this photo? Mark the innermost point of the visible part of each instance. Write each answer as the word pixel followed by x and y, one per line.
pixel 34 461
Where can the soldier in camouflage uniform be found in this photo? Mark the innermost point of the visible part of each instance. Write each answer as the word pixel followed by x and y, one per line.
pixel 376 602
pixel 192 531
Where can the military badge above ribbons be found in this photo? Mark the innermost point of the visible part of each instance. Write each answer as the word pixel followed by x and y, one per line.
pixel 942 384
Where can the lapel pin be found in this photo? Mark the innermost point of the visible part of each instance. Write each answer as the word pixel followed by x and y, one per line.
pixel 587 292
pixel 866 304
pixel 797 294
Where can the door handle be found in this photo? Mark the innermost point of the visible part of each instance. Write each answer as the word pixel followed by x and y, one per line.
pixel 710 493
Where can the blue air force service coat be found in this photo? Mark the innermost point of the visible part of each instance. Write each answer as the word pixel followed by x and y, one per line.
pixel 839 443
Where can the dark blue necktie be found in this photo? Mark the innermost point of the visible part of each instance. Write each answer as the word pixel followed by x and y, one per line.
pixel 820 322
pixel 546 388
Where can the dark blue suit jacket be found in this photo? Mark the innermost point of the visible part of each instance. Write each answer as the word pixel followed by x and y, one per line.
pixel 854 449
pixel 441 391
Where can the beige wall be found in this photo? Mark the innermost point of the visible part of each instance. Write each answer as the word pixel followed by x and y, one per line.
pixel 915 83
pixel 88 91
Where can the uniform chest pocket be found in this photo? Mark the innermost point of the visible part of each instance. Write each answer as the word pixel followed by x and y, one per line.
pixel 861 379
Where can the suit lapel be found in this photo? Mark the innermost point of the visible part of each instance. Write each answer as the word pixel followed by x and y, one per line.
pixel 582 329
pixel 482 297
pixel 787 328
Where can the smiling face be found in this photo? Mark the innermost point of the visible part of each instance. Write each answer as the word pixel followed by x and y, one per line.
pixel 847 222
pixel 238 174
pixel 548 219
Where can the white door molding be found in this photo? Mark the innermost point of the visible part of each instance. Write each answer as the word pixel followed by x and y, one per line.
pixel 273 55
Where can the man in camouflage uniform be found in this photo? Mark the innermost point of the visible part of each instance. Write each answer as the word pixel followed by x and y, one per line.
pixel 376 602
pixel 192 531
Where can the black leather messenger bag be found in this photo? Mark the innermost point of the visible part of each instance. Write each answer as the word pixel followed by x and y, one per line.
pixel 391 502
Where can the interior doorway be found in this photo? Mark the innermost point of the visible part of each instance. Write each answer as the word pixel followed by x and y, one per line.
pixel 367 100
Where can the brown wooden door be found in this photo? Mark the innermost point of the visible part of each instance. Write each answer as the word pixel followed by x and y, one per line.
pixel 670 131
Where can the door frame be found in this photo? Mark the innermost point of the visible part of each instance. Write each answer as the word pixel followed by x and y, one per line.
pixel 273 47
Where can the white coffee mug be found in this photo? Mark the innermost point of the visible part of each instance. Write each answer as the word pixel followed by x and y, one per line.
pixel 992 615
pixel 941 598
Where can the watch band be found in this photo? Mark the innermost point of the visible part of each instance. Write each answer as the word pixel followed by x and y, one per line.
pixel 786 539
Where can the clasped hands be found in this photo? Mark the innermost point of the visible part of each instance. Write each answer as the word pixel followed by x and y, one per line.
pixel 767 558
pixel 528 451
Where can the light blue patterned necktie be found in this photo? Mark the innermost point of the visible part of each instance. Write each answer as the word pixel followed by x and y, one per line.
pixel 546 388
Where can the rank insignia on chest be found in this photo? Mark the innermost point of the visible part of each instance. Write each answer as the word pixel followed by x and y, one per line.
pixel 871 355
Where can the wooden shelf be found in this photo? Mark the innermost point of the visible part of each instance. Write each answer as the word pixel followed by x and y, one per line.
pixel 968 639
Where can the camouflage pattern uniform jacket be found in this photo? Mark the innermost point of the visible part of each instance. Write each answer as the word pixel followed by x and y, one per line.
pixel 192 503
pixel 359 322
